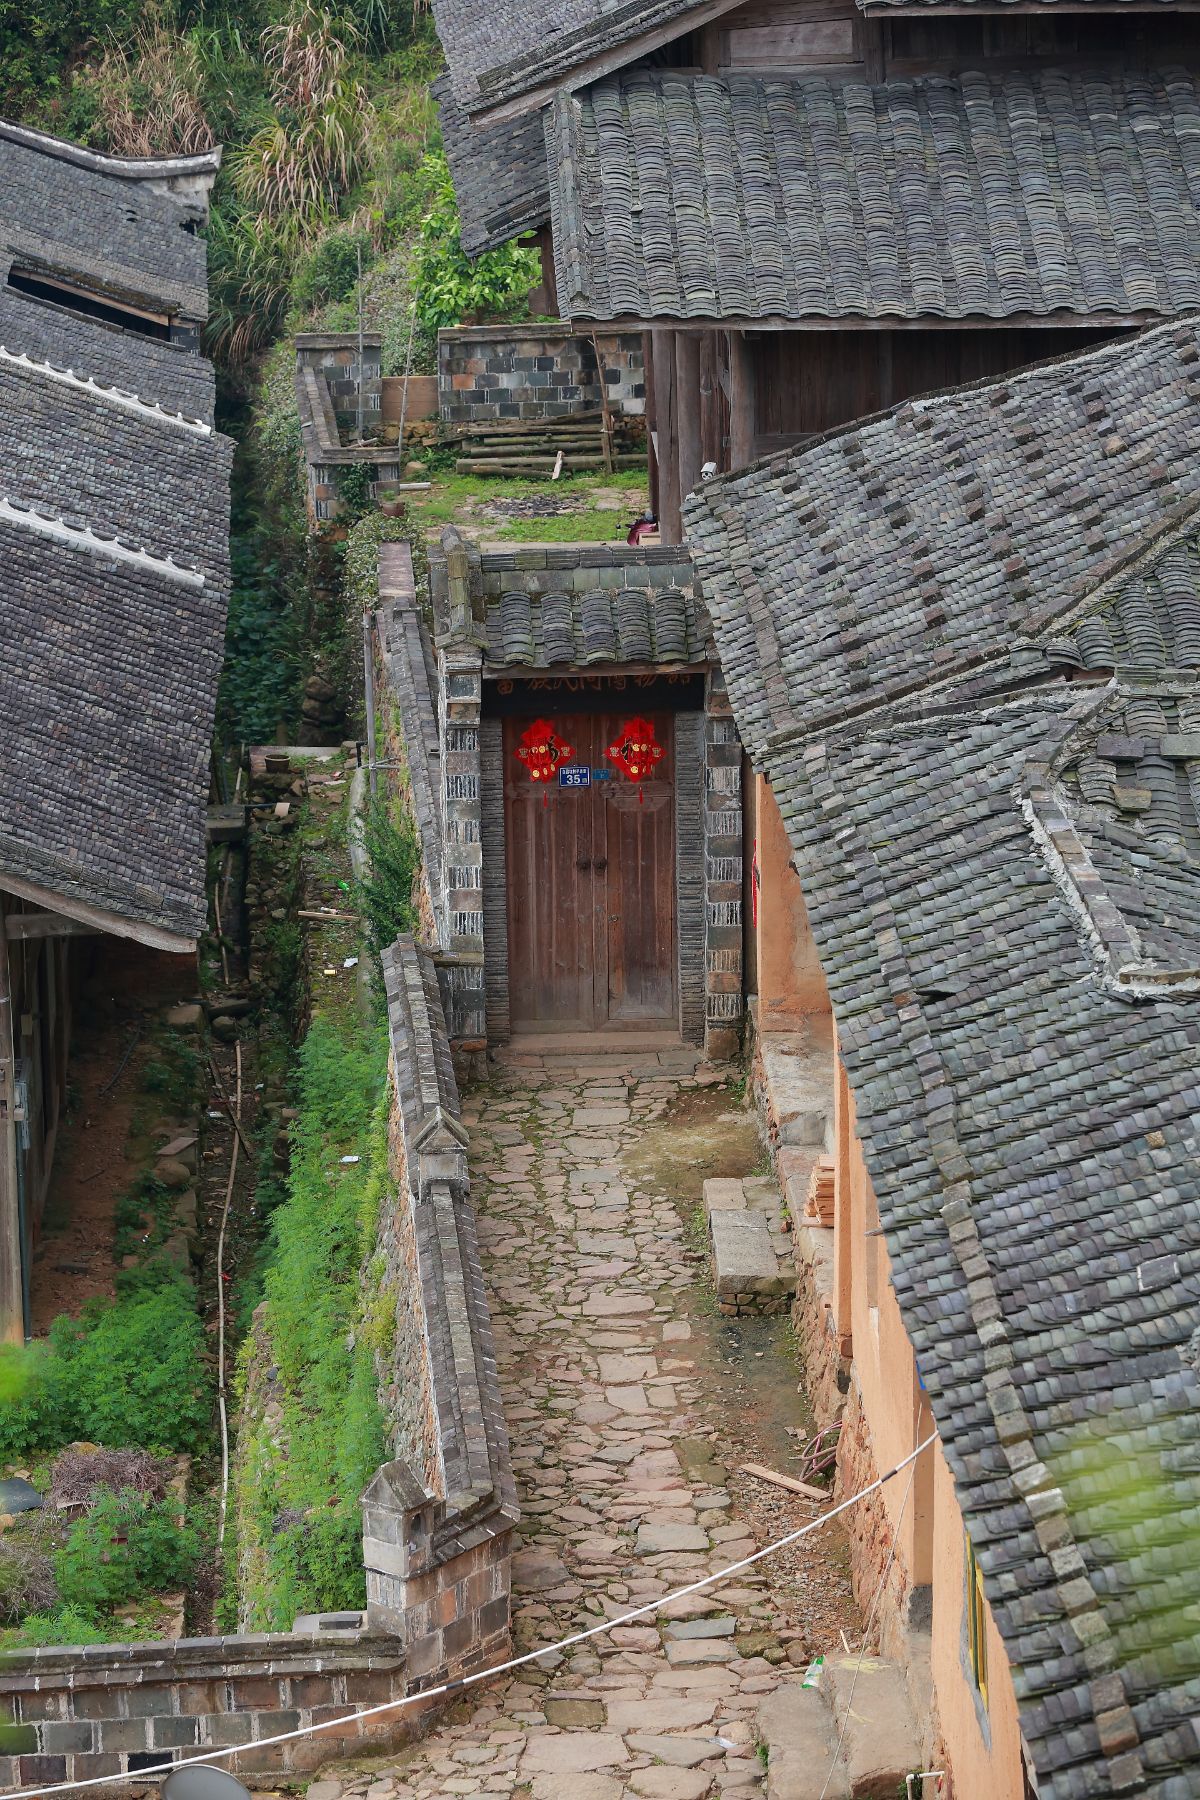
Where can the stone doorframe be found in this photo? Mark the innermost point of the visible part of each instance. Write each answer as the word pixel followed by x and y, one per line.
pixel 708 862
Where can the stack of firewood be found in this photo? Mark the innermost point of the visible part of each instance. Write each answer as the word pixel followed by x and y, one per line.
pixel 585 441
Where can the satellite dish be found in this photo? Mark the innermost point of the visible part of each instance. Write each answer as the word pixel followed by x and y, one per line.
pixel 201 1781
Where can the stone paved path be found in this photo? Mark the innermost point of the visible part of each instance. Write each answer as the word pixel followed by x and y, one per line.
pixel 617 1439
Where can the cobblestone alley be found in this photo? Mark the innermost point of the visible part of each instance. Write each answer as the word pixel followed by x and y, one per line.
pixel 631 1407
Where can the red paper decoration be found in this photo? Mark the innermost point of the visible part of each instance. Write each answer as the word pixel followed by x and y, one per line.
pixel 541 750
pixel 636 752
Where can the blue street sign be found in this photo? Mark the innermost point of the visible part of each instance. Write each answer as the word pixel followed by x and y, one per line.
pixel 574 775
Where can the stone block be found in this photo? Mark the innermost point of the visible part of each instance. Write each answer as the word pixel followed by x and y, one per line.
pixel 744 1260
pixel 723 1195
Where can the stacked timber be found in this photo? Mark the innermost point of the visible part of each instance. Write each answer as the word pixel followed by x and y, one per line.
pixel 585 441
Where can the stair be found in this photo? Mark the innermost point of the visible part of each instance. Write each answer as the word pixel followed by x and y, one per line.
pixel 751 1253
pixel 865 1705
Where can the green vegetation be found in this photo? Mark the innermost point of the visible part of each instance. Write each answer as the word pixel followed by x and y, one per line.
pixel 568 528
pixel 129 1371
pixel 300 1510
pixel 449 286
pixel 125 1547
pixel 386 895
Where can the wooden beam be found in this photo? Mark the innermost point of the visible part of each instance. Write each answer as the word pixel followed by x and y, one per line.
pixel 97 918
pixel 670 521
pixel 651 421
pixel 24 926
pixel 687 411
pixel 710 429
pixel 742 408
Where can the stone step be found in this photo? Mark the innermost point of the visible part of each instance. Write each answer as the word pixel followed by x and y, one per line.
pixel 858 1722
pixel 722 1194
pixel 746 1270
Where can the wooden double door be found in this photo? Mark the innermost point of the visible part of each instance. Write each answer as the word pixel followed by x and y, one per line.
pixel 591 885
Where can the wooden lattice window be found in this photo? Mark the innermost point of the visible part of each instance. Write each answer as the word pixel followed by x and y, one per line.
pixel 976 1625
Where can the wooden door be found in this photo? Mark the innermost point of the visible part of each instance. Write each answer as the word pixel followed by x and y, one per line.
pixel 552 898
pixel 639 836
pixel 591 887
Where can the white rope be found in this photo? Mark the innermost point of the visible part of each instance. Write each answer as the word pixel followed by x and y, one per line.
pixel 465 1681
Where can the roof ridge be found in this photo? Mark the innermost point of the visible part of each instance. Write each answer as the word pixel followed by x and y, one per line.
pixel 126 168
pixel 116 396
pixel 82 537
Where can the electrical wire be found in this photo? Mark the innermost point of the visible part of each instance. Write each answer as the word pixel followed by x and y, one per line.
pixel 466 1681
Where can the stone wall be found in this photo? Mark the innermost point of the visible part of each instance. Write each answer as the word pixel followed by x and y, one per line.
pixel 534 372
pixel 438 1519
pixel 119 1709
pixel 335 355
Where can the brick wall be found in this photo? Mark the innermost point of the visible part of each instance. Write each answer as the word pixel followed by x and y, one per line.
pixel 533 372
pixel 335 354
pixel 723 1004
pixel 78 1714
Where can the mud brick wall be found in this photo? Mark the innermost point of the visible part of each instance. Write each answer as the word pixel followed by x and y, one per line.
pixel 870 1529
pixel 77 1714
pixel 535 372
pixel 335 354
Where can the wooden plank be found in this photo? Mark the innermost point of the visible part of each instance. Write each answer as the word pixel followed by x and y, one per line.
pixel 741 401
pixel 687 411
pixel 793 45
pixel 789 1482
pixel 24 927
pixel 670 521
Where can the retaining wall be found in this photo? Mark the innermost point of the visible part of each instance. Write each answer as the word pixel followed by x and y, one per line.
pixel 437 1518
pixel 531 371
pixel 116 1709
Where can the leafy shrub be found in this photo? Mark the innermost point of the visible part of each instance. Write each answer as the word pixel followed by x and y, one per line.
pixel 386 895
pixel 130 1371
pixel 448 284
pixel 126 1546
pixel 44 1630
pixel 329 271
pixel 299 1519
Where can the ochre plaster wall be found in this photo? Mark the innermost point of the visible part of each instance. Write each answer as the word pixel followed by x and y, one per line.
pixel 981 1746
pixel 886 1417
pixel 790 979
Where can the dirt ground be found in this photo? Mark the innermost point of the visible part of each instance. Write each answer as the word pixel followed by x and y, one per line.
pixel 100 1148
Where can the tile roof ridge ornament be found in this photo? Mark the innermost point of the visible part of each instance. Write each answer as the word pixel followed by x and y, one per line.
pixel 1109 933
pixel 49 525
pixel 115 396
pixel 127 168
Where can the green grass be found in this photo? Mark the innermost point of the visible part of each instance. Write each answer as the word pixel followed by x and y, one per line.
pixel 569 528
pixel 299 1524
pixel 453 496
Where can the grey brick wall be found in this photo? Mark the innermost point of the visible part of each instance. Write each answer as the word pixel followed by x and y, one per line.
pixel 723 1003
pixel 335 354
pixel 534 372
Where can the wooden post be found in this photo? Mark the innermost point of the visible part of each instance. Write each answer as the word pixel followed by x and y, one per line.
pixel 670 523
pixel 710 423
pixel 687 410
pixel 741 401
pixel 651 420
pixel 606 415
pixel 12 1309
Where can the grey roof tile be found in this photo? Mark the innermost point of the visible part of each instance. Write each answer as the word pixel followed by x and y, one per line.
pixel 499 171
pixel 595 625
pixel 501 51
pixel 996 195
pixel 973 877
pixel 83 221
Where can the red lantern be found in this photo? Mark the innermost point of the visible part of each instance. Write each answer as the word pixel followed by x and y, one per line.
pixel 636 752
pixel 541 750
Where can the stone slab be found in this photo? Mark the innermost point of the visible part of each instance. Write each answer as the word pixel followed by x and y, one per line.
pixel 744 1258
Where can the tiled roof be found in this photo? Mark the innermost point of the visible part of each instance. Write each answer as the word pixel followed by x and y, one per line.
pixel 1002 872
pixel 167 373
pixel 114 524
pixel 499 172
pixel 81 220
pixel 994 195
pixel 952 534
pixel 603 625
pixel 500 51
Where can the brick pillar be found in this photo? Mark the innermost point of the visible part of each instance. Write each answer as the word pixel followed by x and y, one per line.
pixel 723 1003
pixel 461 698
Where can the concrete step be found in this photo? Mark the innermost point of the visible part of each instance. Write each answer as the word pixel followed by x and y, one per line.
pixel 859 1723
